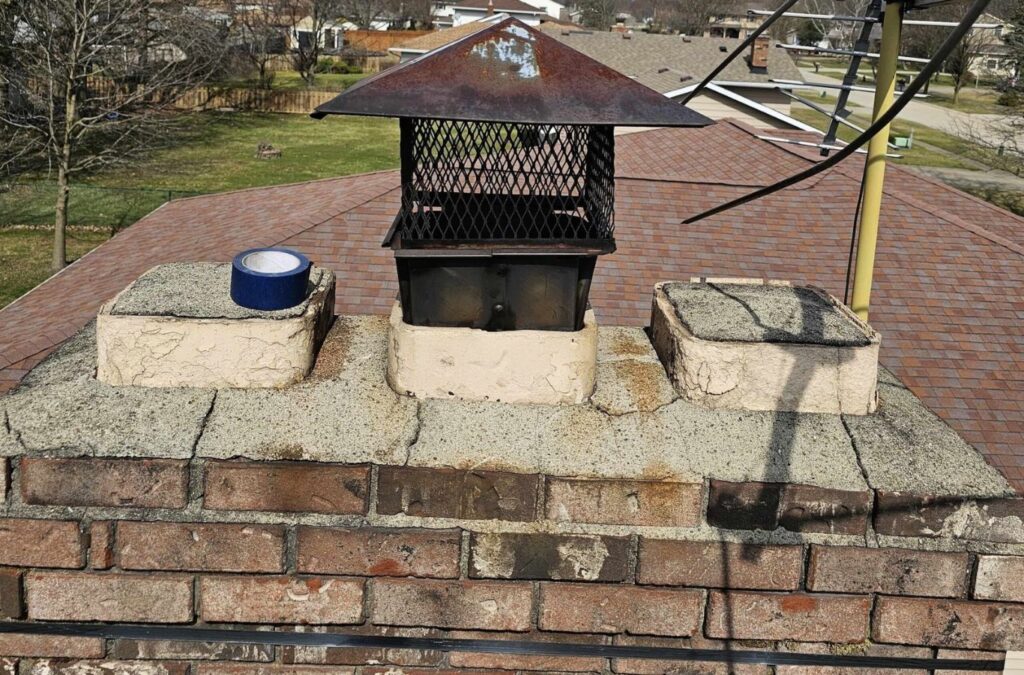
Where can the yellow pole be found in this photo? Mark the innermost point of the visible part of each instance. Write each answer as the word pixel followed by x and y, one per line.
pixel 874 175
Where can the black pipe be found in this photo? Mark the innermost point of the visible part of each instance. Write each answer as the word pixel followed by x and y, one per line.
pixel 195 634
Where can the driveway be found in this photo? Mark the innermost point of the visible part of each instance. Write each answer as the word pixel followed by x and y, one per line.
pixel 919 111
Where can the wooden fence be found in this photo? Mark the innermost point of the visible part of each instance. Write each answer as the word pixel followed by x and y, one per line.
pixel 380 40
pixel 301 101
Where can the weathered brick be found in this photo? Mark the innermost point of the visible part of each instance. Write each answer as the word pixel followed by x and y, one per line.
pixel 8 667
pixel 744 506
pixel 220 547
pixel 5 479
pixel 1000 577
pixel 101 545
pixel 478 605
pixel 269 669
pixel 86 596
pixel 450 493
pixel 600 608
pixel 440 671
pixel 658 667
pixel 949 623
pixel 968 654
pixel 749 615
pixel 913 515
pixel 893 571
pixel 10 594
pixel 189 650
pixel 720 564
pixel 866 649
pixel 42 646
pixel 624 502
pixel 307 600
pixel 360 656
pixel 380 552
pixel 40 543
pixel 806 508
pixel 65 667
pixel 545 663
pixel 548 556
pixel 144 483
pixel 289 487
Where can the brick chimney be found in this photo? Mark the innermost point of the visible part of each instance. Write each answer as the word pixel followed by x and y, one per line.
pixel 759 54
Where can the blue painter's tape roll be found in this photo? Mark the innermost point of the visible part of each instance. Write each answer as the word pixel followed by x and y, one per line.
pixel 269 278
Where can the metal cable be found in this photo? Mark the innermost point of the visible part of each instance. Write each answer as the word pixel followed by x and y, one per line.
pixel 261 637
pixel 954 37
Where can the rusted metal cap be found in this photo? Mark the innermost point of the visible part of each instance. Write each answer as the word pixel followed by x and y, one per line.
pixel 509 72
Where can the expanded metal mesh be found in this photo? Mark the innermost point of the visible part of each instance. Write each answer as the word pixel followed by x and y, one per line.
pixel 492 181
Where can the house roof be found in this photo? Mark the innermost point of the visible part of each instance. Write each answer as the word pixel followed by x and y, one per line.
pixel 946 296
pixel 478 76
pixel 668 62
pixel 517 6
pixel 440 38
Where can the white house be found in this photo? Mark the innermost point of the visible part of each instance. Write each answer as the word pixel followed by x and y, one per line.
pixel 460 12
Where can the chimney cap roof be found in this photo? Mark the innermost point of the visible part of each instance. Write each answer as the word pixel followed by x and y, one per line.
pixel 510 72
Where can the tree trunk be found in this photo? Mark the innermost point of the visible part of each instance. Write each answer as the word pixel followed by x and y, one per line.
pixel 60 225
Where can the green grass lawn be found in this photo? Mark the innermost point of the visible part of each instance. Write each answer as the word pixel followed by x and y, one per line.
pixel 212 152
pixel 288 79
pixel 25 256
pixel 918 156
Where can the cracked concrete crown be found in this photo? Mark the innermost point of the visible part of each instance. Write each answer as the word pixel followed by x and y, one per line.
pixel 345 412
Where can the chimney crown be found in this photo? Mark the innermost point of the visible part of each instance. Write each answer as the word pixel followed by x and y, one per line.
pixel 759 54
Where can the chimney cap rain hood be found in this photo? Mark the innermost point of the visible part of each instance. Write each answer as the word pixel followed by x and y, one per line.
pixel 510 72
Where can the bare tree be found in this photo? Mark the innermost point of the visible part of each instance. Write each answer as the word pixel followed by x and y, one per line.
pixel 960 64
pixel 364 13
pixel 259 29
pixel 598 14
pixel 689 17
pixel 89 82
pixel 315 15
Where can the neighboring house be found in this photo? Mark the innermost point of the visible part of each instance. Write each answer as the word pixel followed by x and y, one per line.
pixel 425 43
pixel 674 64
pixel 994 58
pixel 733 21
pixel 460 12
pixel 954 339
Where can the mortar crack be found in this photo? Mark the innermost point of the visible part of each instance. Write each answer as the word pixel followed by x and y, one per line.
pixel 415 434
pixel 871 536
pixel 13 433
pixel 203 423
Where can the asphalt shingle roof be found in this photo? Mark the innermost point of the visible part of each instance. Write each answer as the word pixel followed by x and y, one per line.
pixel 947 287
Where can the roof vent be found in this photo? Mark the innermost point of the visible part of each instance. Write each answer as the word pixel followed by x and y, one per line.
pixel 723 48
pixel 627 35
pixel 663 70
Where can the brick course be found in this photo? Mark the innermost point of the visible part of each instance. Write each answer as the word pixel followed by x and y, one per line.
pixel 479 605
pixel 912 515
pixel 141 483
pixel 305 600
pixel 10 594
pixel 949 623
pixel 893 571
pixel 720 565
pixel 748 615
pixel 86 596
pixel 101 545
pixel 214 547
pixel 450 493
pixel 548 556
pixel 40 543
pixel 287 487
pixel 799 508
pixel 42 646
pixel 106 668
pixel 379 552
pixel 624 502
pixel 601 608
pixel 1000 577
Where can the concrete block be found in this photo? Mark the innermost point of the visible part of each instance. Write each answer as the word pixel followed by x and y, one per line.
pixel 176 326
pixel 522 366
pixel 756 346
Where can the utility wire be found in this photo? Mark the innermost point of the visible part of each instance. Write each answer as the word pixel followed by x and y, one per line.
pixel 739 50
pixel 950 43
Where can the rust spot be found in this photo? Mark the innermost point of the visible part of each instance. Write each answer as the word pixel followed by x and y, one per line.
pixel 798 603
pixel 659 470
pixel 623 346
pixel 387 567
pixel 641 381
pixel 314 585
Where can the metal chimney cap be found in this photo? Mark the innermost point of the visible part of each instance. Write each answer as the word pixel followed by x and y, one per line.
pixel 510 72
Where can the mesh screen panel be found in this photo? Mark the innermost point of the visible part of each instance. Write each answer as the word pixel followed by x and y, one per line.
pixel 505 182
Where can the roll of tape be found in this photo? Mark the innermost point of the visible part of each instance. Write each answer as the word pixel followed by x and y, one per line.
pixel 269 278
